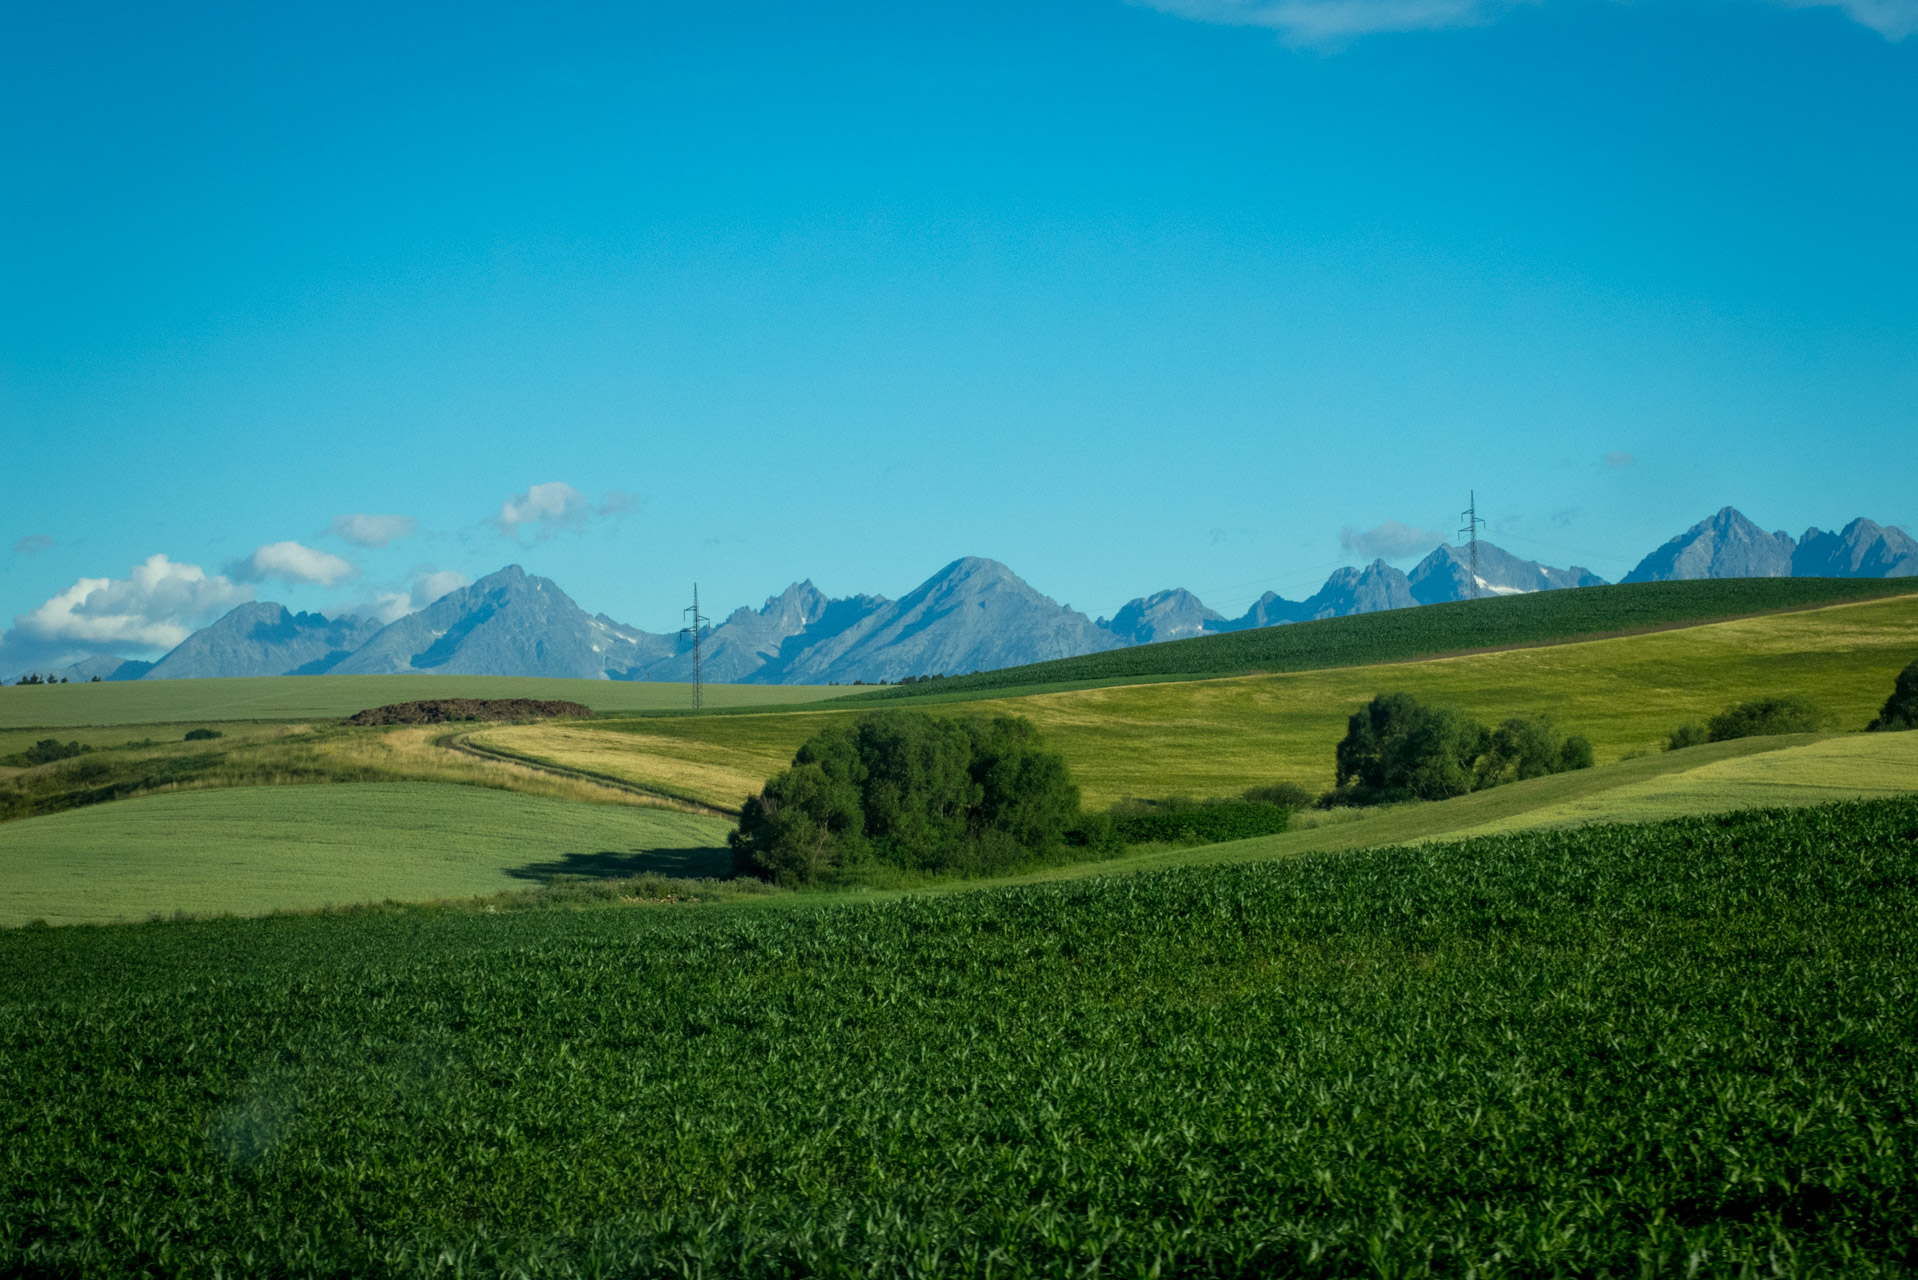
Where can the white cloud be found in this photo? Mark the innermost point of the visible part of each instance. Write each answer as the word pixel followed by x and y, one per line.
pixel 157 605
pixel 374 531
pixel 1892 19
pixel 387 606
pixel 1334 22
pixel 1323 22
pixel 290 563
pixel 1389 541
pixel 548 507
pixel 431 584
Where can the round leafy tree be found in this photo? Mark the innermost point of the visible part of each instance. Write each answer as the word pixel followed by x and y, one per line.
pixel 906 789
pixel 1901 708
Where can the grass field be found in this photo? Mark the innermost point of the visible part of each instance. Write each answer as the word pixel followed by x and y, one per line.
pixel 1217 737
pixel 1722 777
pixel 250 850
pixel 1676 1050
pixel 1399 635
pixel 288 698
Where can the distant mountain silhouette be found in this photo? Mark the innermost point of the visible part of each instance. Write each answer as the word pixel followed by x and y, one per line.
pixel 106 667
pixel 1725 546
pixel 1446 574
pixel 507 623
pixel 264 639
pixel 973 615
pixel 1863 550
pixel 1164 615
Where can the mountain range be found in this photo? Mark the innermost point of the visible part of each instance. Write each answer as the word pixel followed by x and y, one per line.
pixel 973 615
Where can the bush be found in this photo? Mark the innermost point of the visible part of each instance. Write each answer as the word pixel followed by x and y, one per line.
pixel 46 751
pixel 1763 717
pixel 1901 708
pixel 202 735
pixel 1202 822
pixel 1396 749
pixel 907 790
pixel 1530 747
pixel 1689 734
pixel 1283 795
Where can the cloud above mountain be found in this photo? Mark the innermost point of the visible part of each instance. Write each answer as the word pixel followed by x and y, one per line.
pixel 291 563
pixel 429 584
pixel 157 605
pixel 548 508
pixel 374 531
pixel 1392 540
pixel 1335 22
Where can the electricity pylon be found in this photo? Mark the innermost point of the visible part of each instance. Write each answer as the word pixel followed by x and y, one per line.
pixel 699 621
pixel 1470 530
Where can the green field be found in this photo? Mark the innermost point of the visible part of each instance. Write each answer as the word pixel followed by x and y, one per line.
pixel 1788 771
pixel 1676 1050
pixel 1217 737
pixel 251 850
pixel 1546 617
pixel 287 698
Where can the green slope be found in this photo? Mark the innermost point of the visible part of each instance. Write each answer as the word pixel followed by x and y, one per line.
pixel 327 697
pixel 1789 771
pixel 1219 736
pixel 1546 617
pixel 257 849
pixel 1674 1050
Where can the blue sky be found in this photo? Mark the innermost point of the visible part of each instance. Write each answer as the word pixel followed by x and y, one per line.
pixel 1128 296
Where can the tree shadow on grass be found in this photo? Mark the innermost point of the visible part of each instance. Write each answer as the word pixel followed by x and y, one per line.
pixel 702 862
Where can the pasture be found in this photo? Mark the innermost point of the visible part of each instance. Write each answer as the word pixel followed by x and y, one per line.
pixel 1217 737
pixel 1680 1049
pixel 251 850
pixel 292 698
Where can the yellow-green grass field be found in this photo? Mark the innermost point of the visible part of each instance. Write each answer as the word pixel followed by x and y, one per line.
pixel 1784 771
pixel 252 850
pixel 1217 737
pixel 283 698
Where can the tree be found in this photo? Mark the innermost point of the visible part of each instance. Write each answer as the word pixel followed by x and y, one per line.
pixel 1901 708
pixel 1763 717
pixel 1396 749
pixel 1531 747
pixel 908 790
pixel 1689 734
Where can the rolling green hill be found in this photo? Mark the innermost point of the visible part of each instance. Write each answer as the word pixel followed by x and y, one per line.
pixel 283 698
pixel 1546 617
pixel 250 850
pixel 1219 736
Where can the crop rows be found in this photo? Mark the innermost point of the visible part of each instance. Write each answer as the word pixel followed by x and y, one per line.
pixel 1401 634
pixel 1682 1049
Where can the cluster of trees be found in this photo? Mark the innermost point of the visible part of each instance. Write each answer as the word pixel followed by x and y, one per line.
pixel 1396 748
pixel 1901 708
pixel 906 790
pixel 46 751
pixel 49 679
pixel 1754 719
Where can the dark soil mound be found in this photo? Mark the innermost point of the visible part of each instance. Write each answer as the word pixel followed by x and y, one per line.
pixel 441 710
